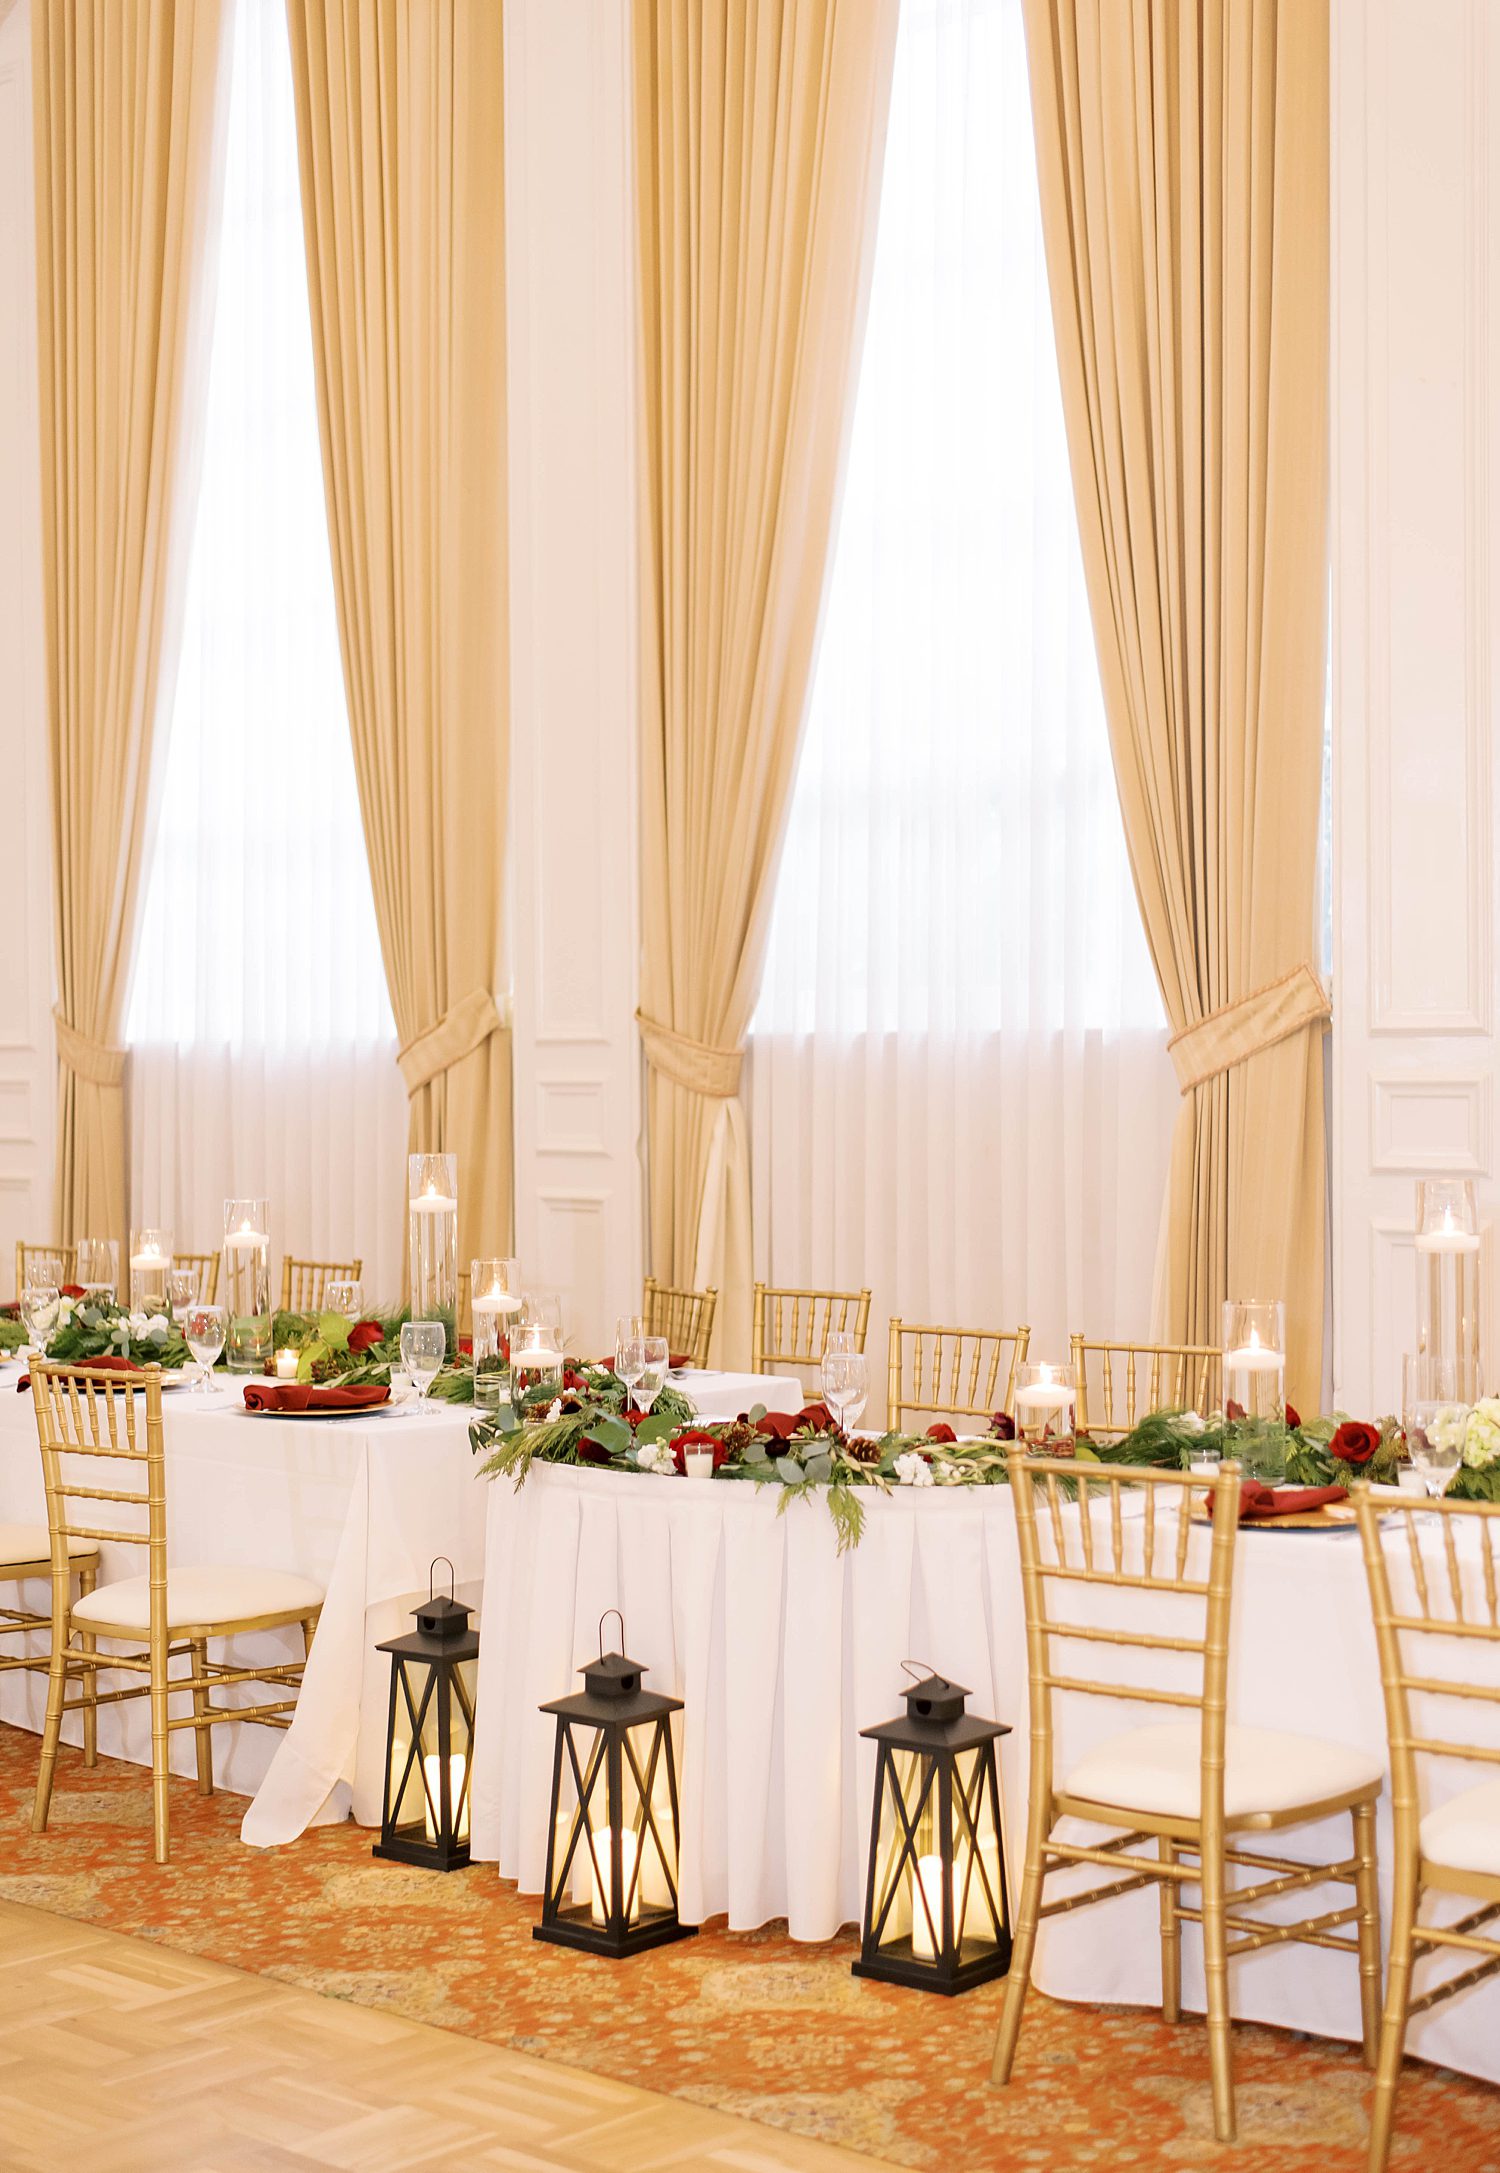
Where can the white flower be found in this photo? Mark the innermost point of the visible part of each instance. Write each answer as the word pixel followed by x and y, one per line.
pixel 656 1456
pixel 1191 1423
pixel 158 1328
pixel 138 1325
pixel 913 1469
pixel 554 1410
pixel 1447 1427
pixel 65 1311
pixel 1481 1444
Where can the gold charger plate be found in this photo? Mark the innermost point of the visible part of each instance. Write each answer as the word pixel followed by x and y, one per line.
pixel 1333 1516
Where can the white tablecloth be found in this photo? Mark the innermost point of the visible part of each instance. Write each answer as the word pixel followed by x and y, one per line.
pixel 784 1650
pixel 717 1396
pixel 361 1504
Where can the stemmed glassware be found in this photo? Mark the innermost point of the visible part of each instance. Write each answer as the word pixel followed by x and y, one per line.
pixel 1434 1417
pixel 424 1345
pixel 346 1296
pixel 99 1266
pixel 182 1291
pixel 630 1347
pixel 844 1379
pixel 647 1385
pixel 39 1303
pixel 203 1332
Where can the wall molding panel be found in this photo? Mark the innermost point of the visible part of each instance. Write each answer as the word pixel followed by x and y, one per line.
pixel 1416 605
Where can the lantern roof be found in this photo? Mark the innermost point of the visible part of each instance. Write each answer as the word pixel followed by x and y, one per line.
pixel 613 1693
pixel 936 1718
pixel 442 1616
pixel 446 1645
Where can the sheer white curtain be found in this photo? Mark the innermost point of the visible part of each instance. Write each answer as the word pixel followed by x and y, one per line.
pixel 262 1042
pixel 959 1084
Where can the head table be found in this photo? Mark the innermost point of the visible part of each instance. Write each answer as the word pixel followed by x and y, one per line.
pixel 781 1649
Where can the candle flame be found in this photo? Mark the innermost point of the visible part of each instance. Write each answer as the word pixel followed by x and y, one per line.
pixel 1046 1375
pixel 1255 1339
pixel 1447 1220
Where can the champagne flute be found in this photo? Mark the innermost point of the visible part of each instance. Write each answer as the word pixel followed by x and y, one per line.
pixel 844 1380
pixel 654 1355
pixel 424 1345
pixel 629 1328
pixel 39 1304
pixel 203 1332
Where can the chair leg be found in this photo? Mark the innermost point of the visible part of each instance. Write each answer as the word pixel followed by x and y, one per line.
pixel 1022 1950
pixel 1171 1938
pixel 87 1579
pixel 57 1682
pixel 160 1755
pixel 1216 1983
pixel 309 1628
pixel 202 1736
pixel 1405 1902
pixel 1367 1895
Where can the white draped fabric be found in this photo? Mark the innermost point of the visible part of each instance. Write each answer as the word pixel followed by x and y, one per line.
pixel 958 1080
pixel 262 1042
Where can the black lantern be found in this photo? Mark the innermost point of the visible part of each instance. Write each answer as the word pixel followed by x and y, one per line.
pixel 936 1915
pixel 429 1745
pixel 612 1842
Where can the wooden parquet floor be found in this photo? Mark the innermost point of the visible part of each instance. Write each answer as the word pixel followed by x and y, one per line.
pixel 124 2057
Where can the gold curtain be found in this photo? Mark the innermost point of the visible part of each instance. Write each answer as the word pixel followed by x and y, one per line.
pixel 1183 156
pixel 401 147
pixel 760 128
pixel 127 110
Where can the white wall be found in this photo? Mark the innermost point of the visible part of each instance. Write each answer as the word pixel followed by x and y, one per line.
pixel 574 649
pixel 27 1058
pixel 1416 611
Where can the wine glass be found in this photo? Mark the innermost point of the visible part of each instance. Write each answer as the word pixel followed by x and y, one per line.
pixel 99 1266
pixel 39 1303
pixel 203 1333
pixel 344 1295
pixel 424 1345
pixel 844 1380
pixel 182 1290
pixel 654 1355
pixel 629 1328
pixel 1433 1417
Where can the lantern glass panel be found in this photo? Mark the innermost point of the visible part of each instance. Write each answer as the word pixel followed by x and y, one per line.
pixel 417 1752
pixel 909 1875
pixel 582 1876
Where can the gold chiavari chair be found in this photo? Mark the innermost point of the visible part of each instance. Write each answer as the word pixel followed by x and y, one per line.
pixel 952 1372
pixel 792 1327
pixel 1195 1787
pixel 304 1281
pixel 206 1267
pixel 87 1418
pixel 684 1317
pixel 26 1554
pixel 61 1259
pixel 1432 1638
pixel 1131 1380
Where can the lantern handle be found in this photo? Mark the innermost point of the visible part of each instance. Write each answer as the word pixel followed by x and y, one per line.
pixel 432 1577
pixel 919 1670
pixel 603 1619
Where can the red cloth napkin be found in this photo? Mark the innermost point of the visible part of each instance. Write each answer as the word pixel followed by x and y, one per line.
pixel 110 1363
pixel 1258 1502
pixel 303 1396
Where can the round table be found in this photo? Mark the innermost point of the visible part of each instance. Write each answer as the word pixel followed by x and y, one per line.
pixel 782 1650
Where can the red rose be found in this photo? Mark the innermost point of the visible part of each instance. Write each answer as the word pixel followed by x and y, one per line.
pixel 572 1378
pixel 364 1333
pixel 466 1346
pixel 1233 1411
pixel 942 1431
pixel 72 1290
pixel 592 1452
pixel 1355 1442
pixel 1293 1416
pixel 1003 1426
pixel 636 1418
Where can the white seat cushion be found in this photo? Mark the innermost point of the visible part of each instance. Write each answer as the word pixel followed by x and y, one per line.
pixel 1465 1833
pixel 29 1543
pixel 1157 1769
pixel 197 1596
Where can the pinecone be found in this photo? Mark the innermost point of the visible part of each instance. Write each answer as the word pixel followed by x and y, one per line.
pixel 860 1450
pixel 738 1437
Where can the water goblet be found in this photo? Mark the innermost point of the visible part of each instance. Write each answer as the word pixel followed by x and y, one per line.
pixel 654 1356
pixel 203 1332
pixel 424 1345
pixel 844 1381
pixel 182 1290
pixel 344 1295
pixel 1434 1418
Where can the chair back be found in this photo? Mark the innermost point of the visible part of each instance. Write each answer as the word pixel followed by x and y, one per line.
pixel 1434 1617
pixel 303 1282
pixel 792 1327
pixel 684 1317
pixel 1071 1548
pixel 90 1423
pixel 60 1259
pixel 1131 1380
pixel 952 1372
pixel 206 1267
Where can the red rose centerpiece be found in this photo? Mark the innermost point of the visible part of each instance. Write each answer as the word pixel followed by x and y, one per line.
pixel 1355 1442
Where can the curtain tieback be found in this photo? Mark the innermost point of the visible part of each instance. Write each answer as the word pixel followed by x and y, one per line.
pixel 1237 1031
pixel 696 1065
pixel 86 1058
pixel 463 1028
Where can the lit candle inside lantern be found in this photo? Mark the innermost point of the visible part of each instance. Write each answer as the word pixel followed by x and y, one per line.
pixel 974 1909
pixel 1253 1357
pixel 1448 1239
pixel 604 1872
pixel 286 1365
pixel 244 1239
pixel 431 1202
pixel 432 1767
pixel 929 1873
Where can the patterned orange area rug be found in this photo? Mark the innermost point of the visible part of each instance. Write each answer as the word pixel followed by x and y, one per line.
pixel 750 2023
